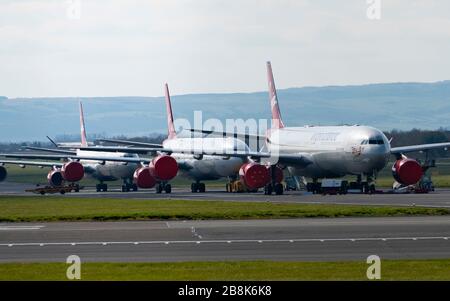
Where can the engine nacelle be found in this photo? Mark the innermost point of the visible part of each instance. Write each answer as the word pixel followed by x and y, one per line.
pixel 407 171
pixel 164 168
pixel 143 178
pixel 3 173
pixel 72 171
pixel 55 177
pixel 277 173
pixel 254 175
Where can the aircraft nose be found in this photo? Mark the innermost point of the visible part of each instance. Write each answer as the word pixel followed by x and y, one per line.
pixel 378 155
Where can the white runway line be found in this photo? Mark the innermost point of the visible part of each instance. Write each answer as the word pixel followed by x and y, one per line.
pixel 225 241
pixel 18 228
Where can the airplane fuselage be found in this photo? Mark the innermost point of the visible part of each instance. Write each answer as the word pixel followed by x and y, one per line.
pixel 334 151
pixel 203 166
pixel 107 170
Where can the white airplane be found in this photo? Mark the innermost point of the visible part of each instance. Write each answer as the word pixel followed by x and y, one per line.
pixel 193 155
pixel 103 166
pixel 321 152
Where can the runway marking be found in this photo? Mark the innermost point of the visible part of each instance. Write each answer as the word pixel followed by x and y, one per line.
pixel 225 241
pixel 18 228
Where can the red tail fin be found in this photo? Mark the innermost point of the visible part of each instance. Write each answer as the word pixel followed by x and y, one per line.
pixel 170 126
pixel 84 142
pixel 277 122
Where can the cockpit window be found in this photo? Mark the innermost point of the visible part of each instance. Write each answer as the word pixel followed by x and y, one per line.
pixel 374 141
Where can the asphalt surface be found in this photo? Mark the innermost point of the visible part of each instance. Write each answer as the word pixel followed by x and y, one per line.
pixel 289 239
pixel 439 198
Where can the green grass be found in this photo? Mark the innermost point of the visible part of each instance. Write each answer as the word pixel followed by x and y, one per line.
pixel 59 208
pixel 254 270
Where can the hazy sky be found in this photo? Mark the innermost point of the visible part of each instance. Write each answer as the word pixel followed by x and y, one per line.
pixel 123 47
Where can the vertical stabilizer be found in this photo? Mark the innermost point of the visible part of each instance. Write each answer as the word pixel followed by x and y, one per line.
pixel 84 142
pixel 170 126
pixel 277 122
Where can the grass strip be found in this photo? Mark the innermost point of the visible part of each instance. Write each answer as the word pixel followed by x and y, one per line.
pixel 60 208
pixel 249 270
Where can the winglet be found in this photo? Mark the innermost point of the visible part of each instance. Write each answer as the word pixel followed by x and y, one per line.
pixel 170 126
pixel 53 142
pixel 277 122
pixel 84 142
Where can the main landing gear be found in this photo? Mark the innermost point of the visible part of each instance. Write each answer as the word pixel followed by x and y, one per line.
pixel 127 187
pixel 101 187
pixel 271 188
pixel 163 186
pixel 276 175
pixel 366 187
pixel 198 187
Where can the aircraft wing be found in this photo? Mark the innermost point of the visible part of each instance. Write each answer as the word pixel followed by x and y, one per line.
pixel 228 134
pixel 68 157
pixel 131 143
pixel 125 149
pixel 287 159
pixel 420 147
pixel 51 150
pixel 146 150
pixel 34 163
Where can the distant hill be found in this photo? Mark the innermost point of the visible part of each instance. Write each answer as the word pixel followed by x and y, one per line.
pixel 385 106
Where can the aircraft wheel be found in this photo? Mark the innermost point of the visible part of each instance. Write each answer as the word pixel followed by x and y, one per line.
pixel 268 189
pixel 134 187
pixel 159 188
pixel 194 187
pixel 372 189
pixel 278 189
pixel 201 187
pixel 168 188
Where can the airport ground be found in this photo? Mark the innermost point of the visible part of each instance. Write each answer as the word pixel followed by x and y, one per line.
pixel 216 235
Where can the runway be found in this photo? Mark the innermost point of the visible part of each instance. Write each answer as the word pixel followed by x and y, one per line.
pixel 439 198
pixel 287 239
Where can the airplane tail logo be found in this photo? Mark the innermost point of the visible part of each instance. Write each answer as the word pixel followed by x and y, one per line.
pixel 277 122
pixel 170 126
pixel 84 142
